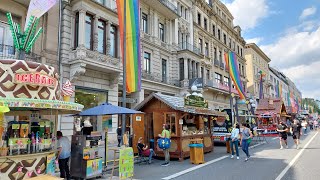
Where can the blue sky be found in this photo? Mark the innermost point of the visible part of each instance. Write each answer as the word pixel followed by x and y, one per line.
pixel 288 31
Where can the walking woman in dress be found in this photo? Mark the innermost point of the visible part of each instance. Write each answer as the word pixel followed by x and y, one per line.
pixel 234 140
pixel 246 134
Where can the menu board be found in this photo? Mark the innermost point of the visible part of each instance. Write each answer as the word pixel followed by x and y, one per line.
pixel 126 163
pixel 94 167
pixel 51 164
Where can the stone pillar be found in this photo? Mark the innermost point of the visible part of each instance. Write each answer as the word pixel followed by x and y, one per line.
pixel 95 33
pixel 82 19
pixel 176 27
pixel 204 74
pixel 198 70
pixel 191 26
pixel 170 32
pixel 108 37
pixel 185 67
pixel 189 69
pixel 156 25
pixel 139 96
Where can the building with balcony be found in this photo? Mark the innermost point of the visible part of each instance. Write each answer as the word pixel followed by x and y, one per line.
pixel 214 35
pixel 257 63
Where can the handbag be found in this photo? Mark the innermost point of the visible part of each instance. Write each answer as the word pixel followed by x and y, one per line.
pixel 164 143
pixel 249 140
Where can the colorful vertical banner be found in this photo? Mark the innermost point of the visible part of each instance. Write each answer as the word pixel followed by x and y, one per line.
pixel 129 25
pixel 232 64
pixel 94 167
pixel 51 165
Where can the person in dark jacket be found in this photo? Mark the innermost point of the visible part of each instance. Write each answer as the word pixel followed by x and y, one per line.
pixel 119 131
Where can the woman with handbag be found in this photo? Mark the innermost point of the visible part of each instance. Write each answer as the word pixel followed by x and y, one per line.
pixel 234 140
pixel 165 135
pixel 246 136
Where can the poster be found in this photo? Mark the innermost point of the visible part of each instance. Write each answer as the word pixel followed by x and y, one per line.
pixel 94 167
pixel 126 163
pixel 219 129
pixel 51 166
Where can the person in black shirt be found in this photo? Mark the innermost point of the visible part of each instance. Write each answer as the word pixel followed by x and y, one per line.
pixel 282 129
pixel 296 132
pixel 119 131
pixel 144 149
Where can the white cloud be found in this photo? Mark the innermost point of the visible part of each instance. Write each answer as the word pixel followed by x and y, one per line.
pixel 308 12
pixel 248 13
pixel 256 40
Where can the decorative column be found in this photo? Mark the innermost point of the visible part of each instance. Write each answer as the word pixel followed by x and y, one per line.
pixel 185 67
pixel 156 25
pixel 95 33
pixel 108 24
pixel 170 32
pixel 189 69
pixel 190 26
pixel 198 70
pixel 82 26
pixel 176 27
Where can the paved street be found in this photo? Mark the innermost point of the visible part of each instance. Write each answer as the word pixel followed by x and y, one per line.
pixel 267 163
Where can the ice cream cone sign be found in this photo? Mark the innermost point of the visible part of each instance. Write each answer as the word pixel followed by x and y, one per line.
pixel 67 91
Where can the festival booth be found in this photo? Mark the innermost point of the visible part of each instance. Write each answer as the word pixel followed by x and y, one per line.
pixel 270 112
pixel 188 119
pixel 30 101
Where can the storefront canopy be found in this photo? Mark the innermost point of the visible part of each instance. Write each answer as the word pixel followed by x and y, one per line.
pixel 107 109
pixel 177 103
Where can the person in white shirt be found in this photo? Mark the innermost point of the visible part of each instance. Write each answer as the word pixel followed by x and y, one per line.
pixel 304 125
pixel 234 140
pixel 64 152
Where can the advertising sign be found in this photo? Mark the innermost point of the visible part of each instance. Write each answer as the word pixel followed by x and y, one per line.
pixel 94 167
pixel 35 79
pixel 126 163
pixel 220 128
pixel 51 166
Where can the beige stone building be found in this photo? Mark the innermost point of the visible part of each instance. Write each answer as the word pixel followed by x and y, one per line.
pixel 257 61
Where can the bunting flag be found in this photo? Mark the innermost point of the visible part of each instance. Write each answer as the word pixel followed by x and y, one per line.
pixel 132 36
pixel 232 64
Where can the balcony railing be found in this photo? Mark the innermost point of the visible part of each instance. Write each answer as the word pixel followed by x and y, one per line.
pixel 9 52
pixel 190 47
pixel 156 77
pixel 169 5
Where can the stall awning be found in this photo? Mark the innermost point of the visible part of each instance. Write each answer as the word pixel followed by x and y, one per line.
pixel 22 104
pixel 177 103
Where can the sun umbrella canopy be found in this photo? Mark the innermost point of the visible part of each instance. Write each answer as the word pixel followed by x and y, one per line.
pixel 107 109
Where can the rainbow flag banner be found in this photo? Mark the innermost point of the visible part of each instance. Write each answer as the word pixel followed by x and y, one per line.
pixel 132 36
pixel 232 64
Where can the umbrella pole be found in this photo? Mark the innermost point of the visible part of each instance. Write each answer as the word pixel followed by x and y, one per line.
pixel 124 84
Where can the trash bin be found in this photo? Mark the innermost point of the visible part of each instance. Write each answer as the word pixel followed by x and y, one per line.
pixel 196 153
pixel 152 144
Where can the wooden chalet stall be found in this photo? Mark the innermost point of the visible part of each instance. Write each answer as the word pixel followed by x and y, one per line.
pixel 270 112
pixel 186 123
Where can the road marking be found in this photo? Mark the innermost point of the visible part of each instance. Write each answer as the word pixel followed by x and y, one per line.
pixel 295 159
pixel 257 145
pixel 194 168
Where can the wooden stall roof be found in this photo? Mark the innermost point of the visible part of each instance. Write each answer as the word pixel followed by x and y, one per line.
pixel 177 103
pixel 271 106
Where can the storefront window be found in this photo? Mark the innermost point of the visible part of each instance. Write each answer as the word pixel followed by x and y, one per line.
pixel 90 97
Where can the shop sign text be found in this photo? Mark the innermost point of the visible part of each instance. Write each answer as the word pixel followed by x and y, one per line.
pixel 35 79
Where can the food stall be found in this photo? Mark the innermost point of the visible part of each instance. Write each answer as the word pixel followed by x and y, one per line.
pixel 270 112
pixel 188 118
pixel 30 96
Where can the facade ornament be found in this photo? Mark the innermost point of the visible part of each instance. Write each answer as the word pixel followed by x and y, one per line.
pixel 76 70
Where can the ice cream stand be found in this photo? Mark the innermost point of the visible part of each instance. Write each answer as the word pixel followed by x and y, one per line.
pixel 30 103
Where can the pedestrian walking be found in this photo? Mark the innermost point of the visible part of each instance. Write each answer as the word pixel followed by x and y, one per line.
pixel 304 126
pixel 315 125
pixel 64 152
pixel 165 134
pixel 119 137
pixel 311 124
pixel 234 140
pixel 296 132
pixel 283 129
pixel 246 135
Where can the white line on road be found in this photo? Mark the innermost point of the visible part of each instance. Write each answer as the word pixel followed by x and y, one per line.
pixel 194 168
pixel 295 159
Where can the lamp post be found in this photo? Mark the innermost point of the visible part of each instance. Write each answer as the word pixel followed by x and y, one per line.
pixel 251 105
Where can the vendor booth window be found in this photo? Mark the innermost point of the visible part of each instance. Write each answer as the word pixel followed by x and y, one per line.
pixel 171 121
pixel 90 97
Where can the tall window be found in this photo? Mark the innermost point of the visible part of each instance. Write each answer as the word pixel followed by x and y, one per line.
pixel 146 62
pixel 240 69
pixel 214 30
pixel 208 74
pixel 205 24
pixel 161 31
pixel 145 23
pixel 199 19
pixel 230 43
pixel 224 38
pixel 88 32
pixel 215 53
pixel 218 78
pixel 202 72
pixel 220 55
pixel 181 69
pixel 206 49
pixel 241 52
pixel 219 37
pixel 113 41
pixel 102 37
pixel 200 45
pixel 164 70
pixel 76 31
pixel 226 81
pixel 238 49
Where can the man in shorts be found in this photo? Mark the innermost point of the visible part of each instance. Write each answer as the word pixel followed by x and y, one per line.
pixel 282 129
pixel 296 132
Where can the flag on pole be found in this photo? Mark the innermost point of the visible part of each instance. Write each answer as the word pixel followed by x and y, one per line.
pixel 232 64
pixel 132 35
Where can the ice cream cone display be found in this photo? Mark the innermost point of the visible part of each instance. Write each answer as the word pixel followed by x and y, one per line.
pixel 67 91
